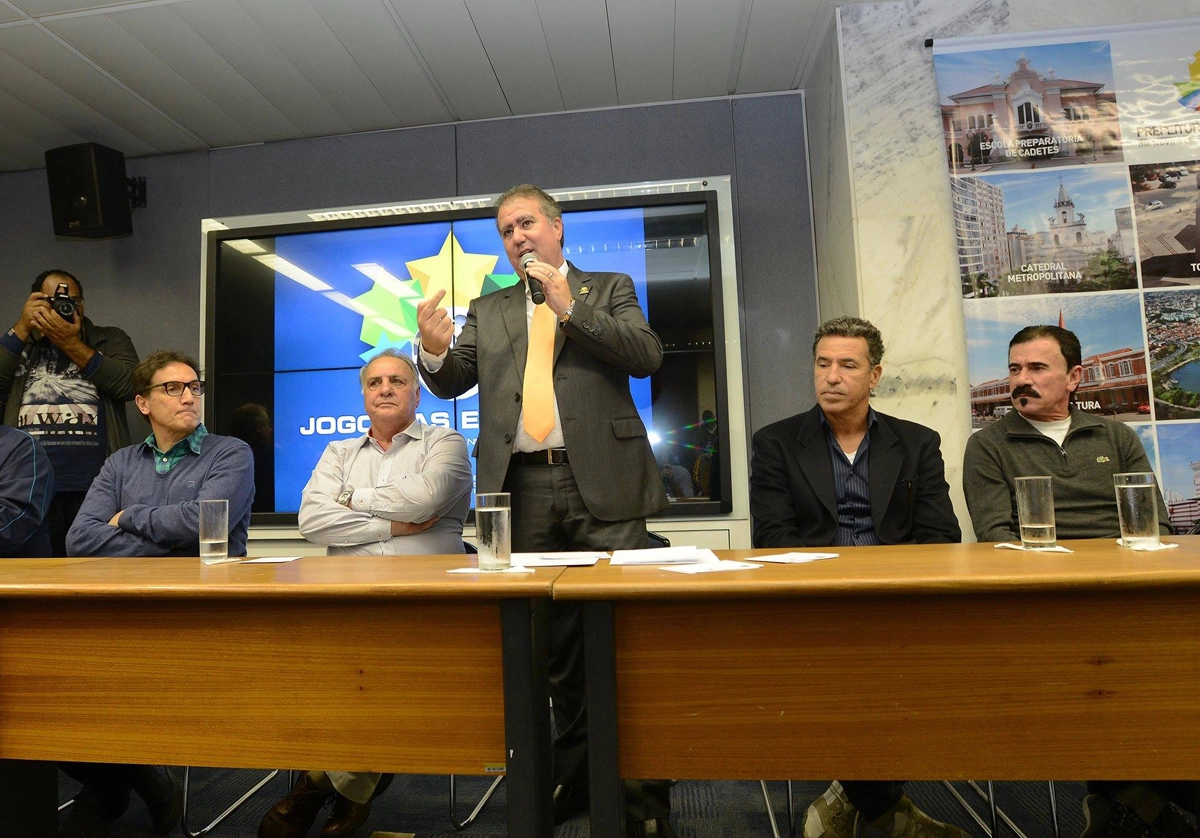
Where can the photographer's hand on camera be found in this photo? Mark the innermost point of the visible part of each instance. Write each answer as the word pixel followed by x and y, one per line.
pixel 66 335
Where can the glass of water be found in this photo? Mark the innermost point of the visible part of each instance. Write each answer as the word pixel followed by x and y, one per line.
pixel 1137 506
pixel 214 531
pixel 1035 512
pixel 493 530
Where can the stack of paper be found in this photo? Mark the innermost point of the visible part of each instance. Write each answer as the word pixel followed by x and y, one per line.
pixel 568 559
pixel 662 555
pixel 795 558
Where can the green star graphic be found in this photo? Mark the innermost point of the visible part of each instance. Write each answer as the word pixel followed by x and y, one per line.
pixel 393 318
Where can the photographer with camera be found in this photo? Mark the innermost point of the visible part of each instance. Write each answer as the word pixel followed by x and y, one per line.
pixel 65 380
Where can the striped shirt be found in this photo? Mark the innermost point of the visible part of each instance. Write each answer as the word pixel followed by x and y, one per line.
pixel 852 483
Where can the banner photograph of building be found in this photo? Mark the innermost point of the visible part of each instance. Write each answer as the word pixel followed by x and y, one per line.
pixel 1166 199
pixel 1109 327
pixel 1173 332
pixel 1031 233
pixel 1029 108
pixel 1179 444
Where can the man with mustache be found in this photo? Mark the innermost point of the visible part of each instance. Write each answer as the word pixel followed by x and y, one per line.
pixel 1047 434
pixel 842 474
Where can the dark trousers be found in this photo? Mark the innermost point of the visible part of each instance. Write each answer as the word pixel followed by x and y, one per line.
pixel 111 782
pixel 548 513
pixel 1183 793
pixel 872 797
pixel 61 514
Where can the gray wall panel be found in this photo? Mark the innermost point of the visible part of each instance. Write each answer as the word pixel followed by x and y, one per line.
pixel 334 171
pixel 779 283
pixel 588 148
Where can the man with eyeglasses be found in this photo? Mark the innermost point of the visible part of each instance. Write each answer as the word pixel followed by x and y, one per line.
pixel 64 380
pixel 144 502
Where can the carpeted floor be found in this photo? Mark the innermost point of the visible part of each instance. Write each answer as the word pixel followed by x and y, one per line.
pixel 419 804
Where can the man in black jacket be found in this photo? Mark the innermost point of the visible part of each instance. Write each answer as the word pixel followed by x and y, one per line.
pixel 65 381
pixel 843 475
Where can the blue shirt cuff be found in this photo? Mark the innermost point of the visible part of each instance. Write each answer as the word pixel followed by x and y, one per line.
pixel 92 366
pixel 12 343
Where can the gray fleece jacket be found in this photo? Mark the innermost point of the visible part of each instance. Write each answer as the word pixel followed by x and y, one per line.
pixel 1085 504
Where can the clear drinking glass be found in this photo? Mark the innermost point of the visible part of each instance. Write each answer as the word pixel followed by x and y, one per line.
pixel 1137 506
pixel 1035 512
pixel 493 530
pixel 214 531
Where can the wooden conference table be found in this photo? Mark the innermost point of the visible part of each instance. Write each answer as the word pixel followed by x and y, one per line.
pixel 921 662
pixel 367 663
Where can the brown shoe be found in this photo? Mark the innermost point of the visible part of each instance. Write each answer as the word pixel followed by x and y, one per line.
pixel 295 814
pixel 347 817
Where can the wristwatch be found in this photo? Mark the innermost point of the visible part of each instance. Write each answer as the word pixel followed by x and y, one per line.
pixel 566 318
pixel 345 496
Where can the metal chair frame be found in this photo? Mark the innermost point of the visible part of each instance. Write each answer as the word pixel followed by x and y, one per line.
pixel 791 810
pixel 237 804
pixel 997 815
pixel 458 825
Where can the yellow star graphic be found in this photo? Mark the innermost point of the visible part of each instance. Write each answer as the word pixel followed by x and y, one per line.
pixel 459 273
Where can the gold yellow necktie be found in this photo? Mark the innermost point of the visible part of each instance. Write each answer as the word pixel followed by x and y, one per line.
pixel 538 390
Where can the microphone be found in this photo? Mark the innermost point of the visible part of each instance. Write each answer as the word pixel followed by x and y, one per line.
pixel 535 285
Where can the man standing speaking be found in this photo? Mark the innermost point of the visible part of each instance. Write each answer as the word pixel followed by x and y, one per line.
pixel 560 432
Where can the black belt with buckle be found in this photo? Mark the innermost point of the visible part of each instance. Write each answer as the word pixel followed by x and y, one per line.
pixel 545 457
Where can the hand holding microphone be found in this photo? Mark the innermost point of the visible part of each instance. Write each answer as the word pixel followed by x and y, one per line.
pixel 536 292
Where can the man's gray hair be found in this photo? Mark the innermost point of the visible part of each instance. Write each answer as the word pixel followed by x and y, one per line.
pixel 390 352
pixel 550 207
pixel 852 327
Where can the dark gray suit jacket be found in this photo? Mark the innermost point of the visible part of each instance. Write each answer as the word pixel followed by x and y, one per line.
pixel 793 499
pixel 606 341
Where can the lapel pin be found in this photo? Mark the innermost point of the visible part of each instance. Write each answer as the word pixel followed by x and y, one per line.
pixel 584 289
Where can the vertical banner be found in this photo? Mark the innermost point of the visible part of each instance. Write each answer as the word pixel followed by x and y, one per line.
pixel 1074 162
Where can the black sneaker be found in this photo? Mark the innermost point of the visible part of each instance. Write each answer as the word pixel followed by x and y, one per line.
pixel 1173 822
pixel 163 794
pixel 1104 817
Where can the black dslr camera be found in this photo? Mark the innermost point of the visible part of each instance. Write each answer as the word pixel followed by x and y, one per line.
pixel 64 303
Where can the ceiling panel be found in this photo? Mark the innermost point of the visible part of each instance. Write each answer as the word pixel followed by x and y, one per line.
pixel 776 37
pixel 706 32
pixel 7 15
pixel 516 46
pixel 32 126
pixel 226 27
pixel 370 34
pixel 310 45
pixel 447 40
pixel 577 34
pixel 18 145
pixel 47 76
pixel 39 8
pixel 643 49
pixel 152 75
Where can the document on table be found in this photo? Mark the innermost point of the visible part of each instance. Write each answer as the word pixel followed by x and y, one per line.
pixel 1009 545
pixel 577 558
pixel 795 558
pixel 662 555
pixel 711 567
pixel 513 569
pixel 270 560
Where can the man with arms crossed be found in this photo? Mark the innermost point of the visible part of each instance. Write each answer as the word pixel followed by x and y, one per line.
pixel 402 488
pixel 66 382
pixel 145 503
pixel 843 475
pixel 1046 435
pixel 559 430
pixel 26 486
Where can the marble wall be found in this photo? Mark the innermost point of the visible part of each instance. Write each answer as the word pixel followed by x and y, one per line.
pixel 882 197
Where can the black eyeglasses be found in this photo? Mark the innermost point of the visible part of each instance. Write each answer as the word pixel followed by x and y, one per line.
pixel 174 389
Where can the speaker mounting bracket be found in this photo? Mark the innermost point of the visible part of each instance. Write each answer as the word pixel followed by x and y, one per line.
pixel 137 191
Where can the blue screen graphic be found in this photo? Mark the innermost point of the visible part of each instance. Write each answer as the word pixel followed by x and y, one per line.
pixel 367 284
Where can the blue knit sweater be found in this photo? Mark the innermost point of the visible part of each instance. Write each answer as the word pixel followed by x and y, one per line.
pixel 160 513
pixel 26 487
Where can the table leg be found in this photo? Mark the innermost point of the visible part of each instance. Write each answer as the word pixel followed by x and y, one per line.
pixel 29 798
pixel 604 779
pixel 527 718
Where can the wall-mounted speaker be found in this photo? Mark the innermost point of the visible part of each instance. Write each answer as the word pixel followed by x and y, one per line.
pixel 89 194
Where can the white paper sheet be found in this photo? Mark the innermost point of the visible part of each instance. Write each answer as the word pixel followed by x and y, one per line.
pixel 711 567
pixel 513 569
pixel 662 555
pixel 568 559
pixel 795 558
pixel 270 560
pixel 1009 545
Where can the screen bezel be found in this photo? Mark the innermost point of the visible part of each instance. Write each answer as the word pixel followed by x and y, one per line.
pixel 269 226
